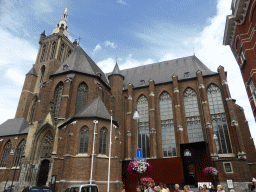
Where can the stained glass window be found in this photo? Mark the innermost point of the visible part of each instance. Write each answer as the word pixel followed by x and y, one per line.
pixel 57 99
pixel 219 120
pixel 43 53
pixel 6 152
pixel 84 140
pixel 19 153
pixel 167 125
pixel 46 145
pixel 195 133
pixel 103 141
pixel 143 128
pixel 81 97
pixel 53 50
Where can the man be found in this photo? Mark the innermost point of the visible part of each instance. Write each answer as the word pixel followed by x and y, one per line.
pixel 150 187
pixel 162 187
pixel 177 188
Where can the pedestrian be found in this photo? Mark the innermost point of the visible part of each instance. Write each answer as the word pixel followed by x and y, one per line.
pixel 138 189
pixel 177 188
pixel 201 189
pixel 157 189
pixel 166 188
pixel 187 188
pixel 205 188
pixel 162 187
pixel 150 187
pixel 213 188
pixel 220 189
pixel 145 188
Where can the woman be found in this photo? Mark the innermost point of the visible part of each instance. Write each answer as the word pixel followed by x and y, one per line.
pixel 220 189
pixel 157 189
pixel 212 188
pixel 138 189
pixel 201 189
pixel 187 188
pixel 145 188
pixel 167 189
pixel 205 188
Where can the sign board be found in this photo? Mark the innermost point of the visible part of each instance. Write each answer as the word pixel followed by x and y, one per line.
pixel 208 184
pixel 230 183
pixel 139 155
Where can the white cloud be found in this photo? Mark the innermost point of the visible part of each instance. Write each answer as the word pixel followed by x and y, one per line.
pixel 96 49
pixel 110 44
pixel 16 75
pixel 122 2
pixel 166 57
pixel 107 65
pixel 210 50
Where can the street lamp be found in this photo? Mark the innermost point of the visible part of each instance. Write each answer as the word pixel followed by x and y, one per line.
pixel 136 116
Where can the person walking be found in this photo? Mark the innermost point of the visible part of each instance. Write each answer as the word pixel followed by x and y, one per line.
pixel 220 189
pixel 201 189
pixel 162 187
pixel 177 188
pixel 187 188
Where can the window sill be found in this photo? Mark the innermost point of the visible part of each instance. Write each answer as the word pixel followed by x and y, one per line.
pixel 15 168
pixel 102 156
pixel 3 168
pixel 82 155
pixel 227 155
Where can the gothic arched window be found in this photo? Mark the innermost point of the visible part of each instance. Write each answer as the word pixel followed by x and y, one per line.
pixel 5 155
pixel 195 133
pixel 42 74
pixel 46 145
pixel 143 126
pixel 61 51
pixel 53 50
pixel 81 97
pixel 43 53
pixel 103 141
pixel 57 98
pixel 167 125
pixel 84 140
pixel 219 120
pixel 19 153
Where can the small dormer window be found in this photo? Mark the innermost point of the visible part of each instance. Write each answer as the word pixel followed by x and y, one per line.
pixel 65 67
pixel 186 74
pixel 98 74
pixel 142 82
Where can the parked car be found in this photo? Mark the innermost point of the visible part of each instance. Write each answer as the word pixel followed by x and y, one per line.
pixel 9 188
pixel 83 188
pixel 37 189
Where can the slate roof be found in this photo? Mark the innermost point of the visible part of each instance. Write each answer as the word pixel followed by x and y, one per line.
pixel 79 61
pixel 94 109
pixel 116 71
pixel 162 72
pixel 17 126
pixel 32 72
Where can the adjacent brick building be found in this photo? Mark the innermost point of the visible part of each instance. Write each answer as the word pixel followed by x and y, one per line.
pixel 241 37
pixel 66 98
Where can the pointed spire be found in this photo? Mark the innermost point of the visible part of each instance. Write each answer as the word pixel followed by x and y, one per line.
pixel 62 24
pixel 116 71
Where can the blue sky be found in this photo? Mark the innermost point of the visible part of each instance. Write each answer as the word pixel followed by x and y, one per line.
pixel 136 32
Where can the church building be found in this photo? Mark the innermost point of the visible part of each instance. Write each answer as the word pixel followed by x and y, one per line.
pixel 61 131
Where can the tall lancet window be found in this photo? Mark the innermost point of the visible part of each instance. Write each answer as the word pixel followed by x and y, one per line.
pixel 195 133
pixel 143 126
pixel 219 120
pixel 53 50
pixel 43 53
pixel 31 110
pixel 19 153
pixel 42 74
pixel 168 134
pixel 5 155
pixel 81 97
pixel 61 52
pixel 57 98
pixel 103 141
pixel 46 145
pixel 84 140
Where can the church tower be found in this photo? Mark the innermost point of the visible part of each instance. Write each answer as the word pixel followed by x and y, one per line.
pixel 53 51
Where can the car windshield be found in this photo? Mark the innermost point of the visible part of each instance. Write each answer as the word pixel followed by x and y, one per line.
pixel 89 189
pixel 74 189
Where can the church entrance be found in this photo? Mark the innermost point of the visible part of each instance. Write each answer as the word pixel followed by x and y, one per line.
pixel 43 172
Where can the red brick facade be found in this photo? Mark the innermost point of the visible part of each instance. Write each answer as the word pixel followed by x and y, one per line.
pixel 61 137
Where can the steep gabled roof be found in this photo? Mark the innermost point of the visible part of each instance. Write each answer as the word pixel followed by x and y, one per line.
pixel 32 72
pixel 162 72
pixel 17 126
pixel 95 109
pixel 79 61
